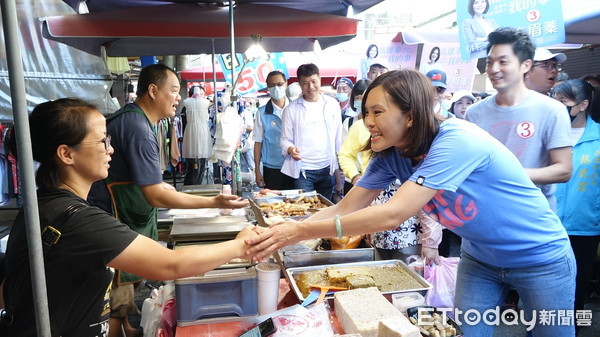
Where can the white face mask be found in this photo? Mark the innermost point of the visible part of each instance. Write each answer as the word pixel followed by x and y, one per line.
pixel 277 92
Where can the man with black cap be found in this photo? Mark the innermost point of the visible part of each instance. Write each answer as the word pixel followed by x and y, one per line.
pixel 438 80
pixel 546 66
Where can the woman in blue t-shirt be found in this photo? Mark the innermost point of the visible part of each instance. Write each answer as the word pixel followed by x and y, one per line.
pixel 577 201
pixel 470 183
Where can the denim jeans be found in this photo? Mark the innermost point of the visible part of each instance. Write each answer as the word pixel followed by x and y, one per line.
pixel 316 180
pixel 549 287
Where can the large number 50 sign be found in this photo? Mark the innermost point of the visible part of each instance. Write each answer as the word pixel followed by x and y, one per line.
pixel 253 75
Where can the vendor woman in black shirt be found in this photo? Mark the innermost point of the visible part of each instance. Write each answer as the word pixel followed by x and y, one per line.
pixel 69 140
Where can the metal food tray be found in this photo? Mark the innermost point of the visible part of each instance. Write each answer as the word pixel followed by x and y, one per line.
pixel 260 217
pixel 291 272
pixel 292 258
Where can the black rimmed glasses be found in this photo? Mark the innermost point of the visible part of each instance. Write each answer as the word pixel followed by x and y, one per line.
pixel 105 140
pixel 549 66
pixel 440 90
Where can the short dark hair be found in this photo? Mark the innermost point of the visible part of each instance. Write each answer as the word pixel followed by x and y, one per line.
pixel 412 92
pixel 472 2
pixel 521 43
pixel 275 73
pixel 54 123
pixel 359 89
pixel 371 46
pixel 191 91
pixel 307 70
pixel 153 74
pixel 439 53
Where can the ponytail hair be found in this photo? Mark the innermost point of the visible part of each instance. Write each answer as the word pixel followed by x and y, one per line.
pixel 579 90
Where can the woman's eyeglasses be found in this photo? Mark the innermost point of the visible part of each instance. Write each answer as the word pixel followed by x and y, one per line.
pixel 105 140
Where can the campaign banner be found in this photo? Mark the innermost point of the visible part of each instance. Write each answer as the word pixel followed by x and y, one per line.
pixel 251 76
pixel 541 19
pixel 446 57
pixel 399 55
pixel 392 55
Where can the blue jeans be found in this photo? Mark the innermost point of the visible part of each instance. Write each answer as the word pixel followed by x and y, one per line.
pixel 549 287
pixel 316 180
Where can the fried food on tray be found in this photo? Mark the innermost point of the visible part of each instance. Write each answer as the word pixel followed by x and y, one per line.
pixel 386 278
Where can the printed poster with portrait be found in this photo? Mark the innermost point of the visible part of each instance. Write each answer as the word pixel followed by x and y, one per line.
pixel 541 19
pixel 395 55
pixel 446 57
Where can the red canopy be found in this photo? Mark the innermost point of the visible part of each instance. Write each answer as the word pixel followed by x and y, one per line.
pixel 181 29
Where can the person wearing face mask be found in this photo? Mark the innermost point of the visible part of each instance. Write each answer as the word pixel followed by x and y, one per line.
pixel 577 199
pixel 343 88
pixel 440 103
pixel 267 131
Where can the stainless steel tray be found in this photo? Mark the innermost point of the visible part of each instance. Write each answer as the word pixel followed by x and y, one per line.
pixel 292 259
pixel 260 217
pixel 291 272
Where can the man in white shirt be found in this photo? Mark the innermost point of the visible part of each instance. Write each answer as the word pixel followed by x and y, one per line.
pixel 311 136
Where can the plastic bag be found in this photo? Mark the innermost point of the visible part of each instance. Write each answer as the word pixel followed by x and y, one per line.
pixel 443 280
pixel 299 321
pixel 415 262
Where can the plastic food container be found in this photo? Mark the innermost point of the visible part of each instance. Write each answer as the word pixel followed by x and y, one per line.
pixel 217 296
pixel 403 301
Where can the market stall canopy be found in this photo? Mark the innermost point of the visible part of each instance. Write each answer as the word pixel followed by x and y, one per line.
pixel 334 7
pixel 181 29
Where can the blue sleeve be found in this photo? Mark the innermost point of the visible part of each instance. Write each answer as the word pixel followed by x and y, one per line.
pixel 453 156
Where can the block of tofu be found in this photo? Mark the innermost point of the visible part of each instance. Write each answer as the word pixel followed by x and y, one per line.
pixel 360 281
pixel 393 327
pixel 360 310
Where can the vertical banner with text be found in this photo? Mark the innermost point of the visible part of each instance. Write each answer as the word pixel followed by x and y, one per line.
pixel 251 75
pixel 459 73
pixel 541 19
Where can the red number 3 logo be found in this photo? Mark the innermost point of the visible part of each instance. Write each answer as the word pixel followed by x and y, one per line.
pixel 533 15
pixel 525 129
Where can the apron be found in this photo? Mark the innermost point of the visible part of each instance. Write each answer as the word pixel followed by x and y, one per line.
pixel 130 207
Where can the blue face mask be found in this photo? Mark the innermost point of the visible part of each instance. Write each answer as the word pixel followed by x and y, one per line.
pixel 277 92
pixel 342 96
pixel 357 106
pixel 446 105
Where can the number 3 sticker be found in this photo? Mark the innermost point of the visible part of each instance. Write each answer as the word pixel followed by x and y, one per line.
pixel 525 129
